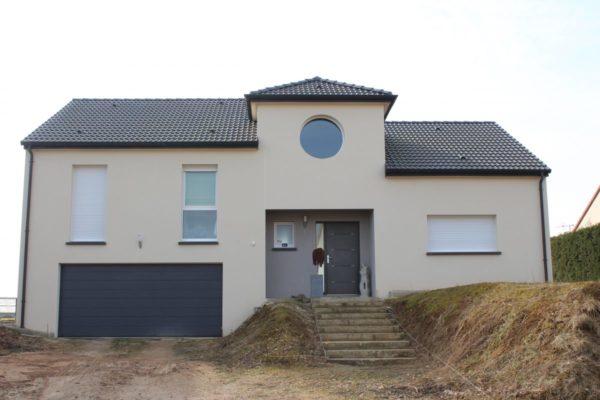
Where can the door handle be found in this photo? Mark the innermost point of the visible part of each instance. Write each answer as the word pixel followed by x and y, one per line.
pixel 328 259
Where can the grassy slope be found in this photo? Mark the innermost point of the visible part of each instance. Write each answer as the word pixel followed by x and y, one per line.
pixel 523 341
pixel 279 333
pixel 12 341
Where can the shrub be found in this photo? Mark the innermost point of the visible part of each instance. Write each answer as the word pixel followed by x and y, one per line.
pixel 576 255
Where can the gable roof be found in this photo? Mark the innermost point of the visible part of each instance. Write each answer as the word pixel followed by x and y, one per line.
pixel 456 148
pixel 318 86
pixel 590 204
pixel 319 89
pixel 147 123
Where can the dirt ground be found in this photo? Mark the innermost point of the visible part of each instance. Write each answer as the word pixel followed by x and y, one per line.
pixel 97 369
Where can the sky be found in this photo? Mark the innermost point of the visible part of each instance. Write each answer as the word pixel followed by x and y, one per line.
pixel 531 66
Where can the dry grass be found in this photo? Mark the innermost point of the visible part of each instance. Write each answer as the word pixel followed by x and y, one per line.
pixel 278 333
pixel 127 347
pixel 522 341
pixel 12 341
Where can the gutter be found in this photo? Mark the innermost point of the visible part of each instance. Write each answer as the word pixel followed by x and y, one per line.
pixel 26 244
pixel 387 98
pixel 138 145
pixel 543 219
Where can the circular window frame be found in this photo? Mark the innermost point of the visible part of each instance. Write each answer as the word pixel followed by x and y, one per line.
pixel 327 118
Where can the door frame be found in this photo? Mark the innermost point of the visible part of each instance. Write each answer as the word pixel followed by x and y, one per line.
pixel 326 267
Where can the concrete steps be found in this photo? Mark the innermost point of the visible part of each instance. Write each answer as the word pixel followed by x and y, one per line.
pixel 350 309
pixel 360 331
pixel 371 353
pixel 361 336
pixel 356 321
pixel 378 328
pixel 326 316
pixel 371 344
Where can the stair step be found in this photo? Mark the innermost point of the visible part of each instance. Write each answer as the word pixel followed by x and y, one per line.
pixel 327 337
pixel 347 303
pixel 344 315
pixel 345 310
pixel 370 353
pixel 366 344
pixel 372 361
pixel 356 322
pixel 358 329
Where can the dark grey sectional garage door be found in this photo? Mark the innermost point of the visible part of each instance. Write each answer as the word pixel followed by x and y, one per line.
pixel 140 300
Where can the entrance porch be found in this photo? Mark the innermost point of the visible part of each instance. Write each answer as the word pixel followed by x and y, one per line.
pixel 292 235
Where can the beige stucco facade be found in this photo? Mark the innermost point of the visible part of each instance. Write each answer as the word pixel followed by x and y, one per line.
pixel 144 196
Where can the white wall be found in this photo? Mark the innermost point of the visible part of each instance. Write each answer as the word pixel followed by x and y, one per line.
pixel 355 179
pixel 144 196
pixel 401 232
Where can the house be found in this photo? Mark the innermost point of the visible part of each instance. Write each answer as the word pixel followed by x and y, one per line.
pixel 177 217
pixel 591 214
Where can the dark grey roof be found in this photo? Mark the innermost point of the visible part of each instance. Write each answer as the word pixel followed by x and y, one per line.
pixel 411 148
pixel 148 123
pixel 319 87
pixel 456 148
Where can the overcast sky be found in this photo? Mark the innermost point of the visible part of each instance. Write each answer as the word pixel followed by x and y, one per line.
pixel 532 66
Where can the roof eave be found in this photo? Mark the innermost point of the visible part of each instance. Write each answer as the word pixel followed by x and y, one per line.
pixel 139 145
pixel 580 220
pixel 250 98
pixel 465 172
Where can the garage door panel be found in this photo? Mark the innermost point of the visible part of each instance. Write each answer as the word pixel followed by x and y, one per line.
pixel 140 300
pixel 141 293
pixel 166 330
pixel 152 272
pixel 166 303
pixel 146 285
pixel 118 312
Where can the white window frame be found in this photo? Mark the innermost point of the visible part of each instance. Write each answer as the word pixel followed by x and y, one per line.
pixel 198 168
pixel 279 245
pixel 465 249
pixel 101 238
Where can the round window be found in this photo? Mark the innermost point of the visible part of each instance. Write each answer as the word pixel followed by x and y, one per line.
pixel 321 138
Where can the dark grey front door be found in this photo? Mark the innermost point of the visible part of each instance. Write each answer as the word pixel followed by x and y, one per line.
pixel 342 257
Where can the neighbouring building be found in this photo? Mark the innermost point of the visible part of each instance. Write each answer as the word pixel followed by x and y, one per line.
pixel 591 214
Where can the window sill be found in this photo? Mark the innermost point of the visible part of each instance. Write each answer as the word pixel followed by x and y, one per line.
pixel 195 242
pixel 463 253
pixel 83 243
pixel 284 248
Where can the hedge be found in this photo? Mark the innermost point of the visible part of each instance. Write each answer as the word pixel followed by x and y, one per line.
pixel 576 255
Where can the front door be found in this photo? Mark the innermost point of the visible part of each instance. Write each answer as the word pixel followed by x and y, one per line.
pixel 342 257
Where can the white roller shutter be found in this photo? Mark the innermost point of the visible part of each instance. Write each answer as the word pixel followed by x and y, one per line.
pixel 461 233
pixel 88 203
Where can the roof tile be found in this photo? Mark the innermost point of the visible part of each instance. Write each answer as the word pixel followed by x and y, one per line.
pixel 117 122
pixel 319 87
pixel 465 147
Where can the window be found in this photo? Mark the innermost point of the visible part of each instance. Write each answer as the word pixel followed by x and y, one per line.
pixel 199 204
pixel 284 235
pixel 321 138
pixel 88 203
pixel 461 234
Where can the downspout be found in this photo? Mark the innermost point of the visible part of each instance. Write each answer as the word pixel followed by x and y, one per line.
pixel 543 214
pixel 26 239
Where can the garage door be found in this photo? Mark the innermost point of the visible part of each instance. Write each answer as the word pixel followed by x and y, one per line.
pixel 128 300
